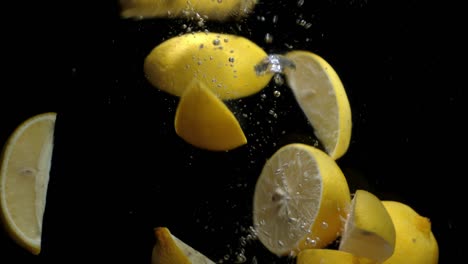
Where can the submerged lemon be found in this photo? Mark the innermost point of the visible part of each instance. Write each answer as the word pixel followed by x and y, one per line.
pixel 299 200
pixel 204 9
pixel 415 242
pixel 223 63
pixel 204 121
pixel 369 230
pixel 24 177
pixel 322 97
pixel 171 250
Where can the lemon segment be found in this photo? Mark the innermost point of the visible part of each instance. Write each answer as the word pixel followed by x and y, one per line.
pixel 203 9
pixel 323 99
pixel 24 177
pixel 299 200
pixel 204 121
pixel 224 63
pixel 369 230
pixel 415 242
pixel 329 256
pixel 171 250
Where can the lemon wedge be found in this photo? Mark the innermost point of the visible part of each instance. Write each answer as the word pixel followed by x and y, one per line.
pixel 299 200
pixel 369 230
pixel 223 63
pixel 204 121
pixel 202 9
pixel 415 242
pixel 171 250
pixel 329 256
pixel 323 99
pixel 24 177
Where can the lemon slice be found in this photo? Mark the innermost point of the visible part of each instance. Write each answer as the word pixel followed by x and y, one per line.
pixel 24 177
pixel 224 63
pixel 171 250
pixel 415 242
pixel 201 9
pixel 204 121
pixel 369 230
pixel 322 97
pixel 329 256
pixel 300 198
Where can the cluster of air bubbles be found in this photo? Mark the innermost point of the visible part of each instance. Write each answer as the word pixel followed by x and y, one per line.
pixel 303 23
pixel 300 3
pixel 274 63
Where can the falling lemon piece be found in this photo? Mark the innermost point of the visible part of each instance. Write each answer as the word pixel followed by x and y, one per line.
pixel 24 177
pixel 329 256
pixel 415 242
pixel 369 230
pixel 300 198
pixel 220 10
pixel 223 63
pixel 171 250
pixel 204 121
pixel 322 97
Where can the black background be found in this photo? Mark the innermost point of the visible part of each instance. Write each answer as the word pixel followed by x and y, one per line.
pixel 119 170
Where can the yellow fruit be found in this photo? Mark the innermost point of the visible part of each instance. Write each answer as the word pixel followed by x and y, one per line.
pixel 300 199
pixel 24 177
pixel 322 97
pixel 224 63
pixel 329 256
pixel 415 242
pixel 203 9
pixel 204 121
pixel 171 250
pixel 369 230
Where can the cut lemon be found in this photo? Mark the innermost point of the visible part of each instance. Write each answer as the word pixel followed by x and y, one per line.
pixel 24 177
pixel 300 199
pixel 369 230
pixel 204 121
pixel 322 97
pixel 224 63
pixel 202 9
pixel 171 250
pixel 329 256
pixel 415 242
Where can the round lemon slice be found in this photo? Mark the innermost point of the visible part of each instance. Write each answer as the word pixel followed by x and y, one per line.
pixel 300 199
pixel 223 63
pixel 204 121
pixel 322 97
pixel 369 230
pixel 415 242
pixel 202 9
pixel 24 177
pixel 329 256
pixel 169 250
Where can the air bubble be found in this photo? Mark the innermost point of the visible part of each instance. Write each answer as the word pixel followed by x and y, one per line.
pixel 268 38
pixel 216 42
pixel 277 93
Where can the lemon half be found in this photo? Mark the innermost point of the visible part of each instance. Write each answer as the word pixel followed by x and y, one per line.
pixel 369 230
pixel 24 177
pixel 323 99
pixel 223 63
pixel 415 242
pixel 171 250
pixel 203 9
pixel 300 198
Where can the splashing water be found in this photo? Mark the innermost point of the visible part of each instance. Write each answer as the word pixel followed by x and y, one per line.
pixel 274 63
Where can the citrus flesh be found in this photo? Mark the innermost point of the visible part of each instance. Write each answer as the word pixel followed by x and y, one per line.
pixel 223 63
pixel 171 250
pixel 369 230
pixel 204 121
pixel 415 242
pixel 323 99
pixel 329 256
pixel 300 199
pixel 203 9
pixel 24 177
